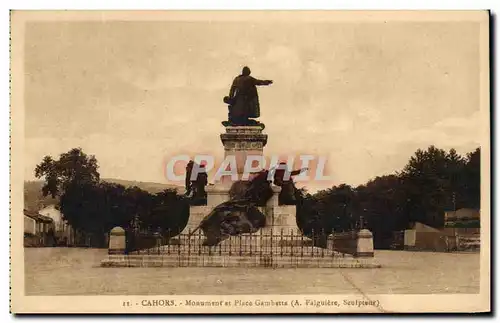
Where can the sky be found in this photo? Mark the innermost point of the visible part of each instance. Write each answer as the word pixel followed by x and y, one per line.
pixel 364 95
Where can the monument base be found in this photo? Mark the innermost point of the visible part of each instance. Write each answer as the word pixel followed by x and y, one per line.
pixel 280 244
pixel 278 217
pixel 267 248
pixel 231 261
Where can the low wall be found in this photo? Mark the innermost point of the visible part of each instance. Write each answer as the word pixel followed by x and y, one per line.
pixel 245 261
pixel 449 239
pixel 33 240
pixel 462 231
pixel 139 241
pixel 356 243
pixel 344 242
pixel 38 240
pixel 433 241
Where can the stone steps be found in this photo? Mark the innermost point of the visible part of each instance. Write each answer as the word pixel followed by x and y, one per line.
pixel 224 260
pixel 241 250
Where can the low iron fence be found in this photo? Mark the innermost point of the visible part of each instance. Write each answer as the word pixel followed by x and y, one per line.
pixel 289 243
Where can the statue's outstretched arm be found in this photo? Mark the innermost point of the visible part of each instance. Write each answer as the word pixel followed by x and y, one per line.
pixel 297 172
pixel 262 82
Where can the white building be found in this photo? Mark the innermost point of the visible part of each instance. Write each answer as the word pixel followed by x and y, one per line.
pixel 38 230
pixel 35 223
pixel 51 212
pixel 62 228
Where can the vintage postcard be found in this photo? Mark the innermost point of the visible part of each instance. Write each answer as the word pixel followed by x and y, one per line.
pixel 250 162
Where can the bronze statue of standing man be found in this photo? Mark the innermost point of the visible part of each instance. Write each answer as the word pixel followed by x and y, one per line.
pixel 243 98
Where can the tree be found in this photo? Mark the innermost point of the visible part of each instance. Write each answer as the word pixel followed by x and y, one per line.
pixel 457 196
pixel 472 179
pixel 170 212
pixel 312 222
pixel 327 210
pixel 95 206
pixel 307 217
pixel 337 206
pixel 382 202
pixel 138 205
pixel 431 180
pixel 72 178
pixel 73 167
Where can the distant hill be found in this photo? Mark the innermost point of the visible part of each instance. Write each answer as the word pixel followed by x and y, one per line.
pixel 151 187
pixel 34 200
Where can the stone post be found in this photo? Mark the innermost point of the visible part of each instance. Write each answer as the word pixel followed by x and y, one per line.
pixel 364 244
pixel 117 241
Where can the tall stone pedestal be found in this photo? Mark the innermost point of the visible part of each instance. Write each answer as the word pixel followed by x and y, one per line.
pixel 243 142
pixel 278 245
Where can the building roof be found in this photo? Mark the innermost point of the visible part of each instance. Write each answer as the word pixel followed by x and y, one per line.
pixel 38 217
pixel 463 213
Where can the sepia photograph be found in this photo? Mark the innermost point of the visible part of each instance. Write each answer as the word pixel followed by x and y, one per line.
pixel 250 161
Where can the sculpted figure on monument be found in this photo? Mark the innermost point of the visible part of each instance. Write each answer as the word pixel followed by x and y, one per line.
pixel 243 99
pixel 195 189
pixel 259 188
pixel 187 182
pixel 240 214
pixel 287 194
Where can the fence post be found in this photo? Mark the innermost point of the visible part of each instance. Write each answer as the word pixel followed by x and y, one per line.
pixel 281 242
pixel 168 238
pixel 199 243
pixel 333 243
pixel 240 246
pixel 322 249
pixel 271 241
pixel 189 243
pixel 301 245
pixel 260 243
pixel 251 242
pixel 312 244
pixel 180 245
pixel 179 251
pixel 158 241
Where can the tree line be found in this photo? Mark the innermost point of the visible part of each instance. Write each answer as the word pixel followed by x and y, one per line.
pixel 432 182
pixel 95 206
